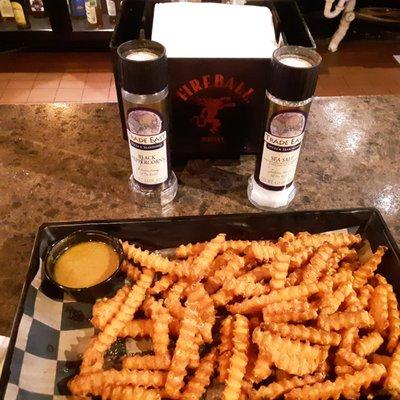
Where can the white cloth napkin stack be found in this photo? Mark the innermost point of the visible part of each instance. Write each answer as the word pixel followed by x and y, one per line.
pixel 211 30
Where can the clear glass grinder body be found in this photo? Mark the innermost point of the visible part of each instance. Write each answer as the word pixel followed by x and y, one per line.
pixel 293 77
pixel 144 85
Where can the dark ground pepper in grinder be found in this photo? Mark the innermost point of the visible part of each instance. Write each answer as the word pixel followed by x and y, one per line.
pixel 144 82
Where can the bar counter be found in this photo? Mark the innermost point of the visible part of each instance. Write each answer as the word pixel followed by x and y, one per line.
pixel 62 162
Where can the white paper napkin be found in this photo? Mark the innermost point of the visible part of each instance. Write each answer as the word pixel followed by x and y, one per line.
pixel 199 30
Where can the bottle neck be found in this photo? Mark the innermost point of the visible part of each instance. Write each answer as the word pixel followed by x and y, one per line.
pixel 145 98
pixel 287 103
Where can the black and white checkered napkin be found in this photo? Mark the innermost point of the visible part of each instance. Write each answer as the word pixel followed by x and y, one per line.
pixel 52 335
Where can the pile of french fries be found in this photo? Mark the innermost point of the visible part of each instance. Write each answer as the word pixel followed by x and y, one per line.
pixel 305 317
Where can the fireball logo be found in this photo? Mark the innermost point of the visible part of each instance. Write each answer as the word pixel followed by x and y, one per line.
pixel 144 123
pixel 209 112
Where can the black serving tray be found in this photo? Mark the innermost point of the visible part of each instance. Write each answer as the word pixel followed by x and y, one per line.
pixel 158 233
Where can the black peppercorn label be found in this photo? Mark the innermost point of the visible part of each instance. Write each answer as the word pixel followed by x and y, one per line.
pixel 147 146
pixel 282 142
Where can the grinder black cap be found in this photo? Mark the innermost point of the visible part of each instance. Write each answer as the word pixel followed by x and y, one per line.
pixel 293 73
pixel 143 75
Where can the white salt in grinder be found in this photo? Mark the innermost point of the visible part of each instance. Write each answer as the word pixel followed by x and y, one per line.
pixel 292 81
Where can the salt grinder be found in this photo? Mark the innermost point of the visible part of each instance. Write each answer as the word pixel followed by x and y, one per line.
pixel 292 81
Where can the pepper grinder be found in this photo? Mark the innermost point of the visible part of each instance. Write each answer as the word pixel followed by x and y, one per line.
pixel 144 83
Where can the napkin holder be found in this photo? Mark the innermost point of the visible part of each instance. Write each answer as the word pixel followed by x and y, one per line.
pixel 216 105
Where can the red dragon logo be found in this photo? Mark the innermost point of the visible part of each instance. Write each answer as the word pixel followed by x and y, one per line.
pixel 209 112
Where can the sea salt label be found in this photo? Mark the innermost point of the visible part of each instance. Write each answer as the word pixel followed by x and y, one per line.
pixel 282 142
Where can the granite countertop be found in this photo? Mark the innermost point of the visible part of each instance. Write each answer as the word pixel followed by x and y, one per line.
pixel 69 162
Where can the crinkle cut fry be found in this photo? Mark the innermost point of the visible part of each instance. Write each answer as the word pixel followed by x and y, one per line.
pixel 343 385
pixel 202 303
pixel 239 358
pixel 94 383
pixel 289 316
pixel 392 381
pixel 173 299
pixel 262 251
pixel 202 263
pixel 137 327
pixel 292 356
pixel 225 347
pixel 232 269
pixel 379 308
pixel 296 305
pixel 190 249
pixel 258 273
pixel 349 336
pixel 342 368
pixel 286 238
pixel 341 276
pixel 226 333
pixel 277 389
pixel 184 251
pixel 324 367
pixel 307 240
pixel 150 260
pixel 146 362
pixel 219 263
pixel 93 359
pixel 393 319
pixel 352 302
pixel 194 352
pixel 346 319
pixel 366 270
pixel 279 270
pixel 328 264
pixel 368 344
pixel 238 288
pixel 197 385
pixel 246 285
pixel 222 297
pixel 146 305
pixel 256 304
pixel 364 295
pixel 318 263
pixel 132 271
pixel 331 302
pixel 301 332
pixel 352 359
pixel 130 393
pixel 262 367
pixel 104 309
pixel 161 319
pixel 295 277
pixel 181 357
pixel 163 284
pixel 340 254
pixel 239 246
pixel 299 258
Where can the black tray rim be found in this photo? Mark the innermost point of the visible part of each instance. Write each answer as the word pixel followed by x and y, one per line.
pixel 34 257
